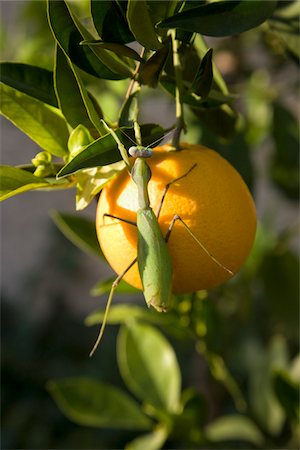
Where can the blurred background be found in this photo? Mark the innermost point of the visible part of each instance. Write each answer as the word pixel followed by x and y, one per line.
pixel 46 280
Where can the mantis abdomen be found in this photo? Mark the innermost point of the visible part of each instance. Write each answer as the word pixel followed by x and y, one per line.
pixel 154 261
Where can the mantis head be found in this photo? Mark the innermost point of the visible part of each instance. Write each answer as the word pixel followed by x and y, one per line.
pixel 140 152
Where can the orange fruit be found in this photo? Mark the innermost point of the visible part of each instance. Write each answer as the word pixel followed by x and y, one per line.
pixel 212 199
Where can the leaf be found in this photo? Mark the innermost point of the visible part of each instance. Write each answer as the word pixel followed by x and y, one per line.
pixel 234 428
pixel 221 373
pixel 91 181
pixel 141 25
pixel 71 101
pixel 263 402
pixel 69 37
pixel 15 181
pixel 149 366
pixel 42 123
pixel 110 21
pixel 287 392
pixel 118 49
pixel 284 24
pixel 150 441
pixel 103 287
pixel 104 150
pixel 31 80
pixel 150 71
pixel 213 101
pixel 110 60
pixel 79 230
pixel 224 18
pixel 92 403
pixel 204 77
pixel 285 161
pixel 120 314
pixel 129 110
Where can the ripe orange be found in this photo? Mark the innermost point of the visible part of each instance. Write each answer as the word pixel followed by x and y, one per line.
pixel 212 199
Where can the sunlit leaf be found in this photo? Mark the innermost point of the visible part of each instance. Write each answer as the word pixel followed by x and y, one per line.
pixel 224 18
pixel 149 366
pixel 287 392
pixel 150 441
pixel 15 181
pixel 141 25
pixel 41 122
pixel 31 80
pixel 104 150
pixel 234 428
pixel 118 49
pixel 69 37
pixel 71 100
pixel 92 403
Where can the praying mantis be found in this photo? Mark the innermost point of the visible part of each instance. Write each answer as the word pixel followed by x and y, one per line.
pixel 153 258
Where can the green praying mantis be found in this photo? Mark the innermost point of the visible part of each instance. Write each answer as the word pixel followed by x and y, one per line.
pixel 153 258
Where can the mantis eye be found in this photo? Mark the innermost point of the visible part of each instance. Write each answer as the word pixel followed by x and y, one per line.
pixel 140 152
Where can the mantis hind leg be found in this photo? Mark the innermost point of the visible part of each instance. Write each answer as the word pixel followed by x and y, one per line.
pixel 167 237
pixel 108 304
pixel 167 187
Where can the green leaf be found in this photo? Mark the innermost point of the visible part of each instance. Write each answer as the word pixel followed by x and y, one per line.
pixel 120 314
pixel 42 123
pixel 285 161
pixel 79 230
pixel 15 181
pixel 118 49
pixel 141 25
pixel 204 77
pixel 103 287
pixel 224 18
pixel 110 60
pixel 150 441
pixel 33 81
pixel 213 101
pixel 110 21
pixel 287 392
pixel 221 373
pixel 232 428
pixel 91 181
pixel 149 366
pixel 73 98
pixel 263 401
pixel 92 403
pixel 129 110
pixel 284 24
pixel 149 72
pixel 69 37
pixel 104 150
